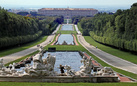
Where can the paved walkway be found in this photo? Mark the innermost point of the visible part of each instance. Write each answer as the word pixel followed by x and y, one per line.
pixel 20 54
pixel 56 39
pixel 108 58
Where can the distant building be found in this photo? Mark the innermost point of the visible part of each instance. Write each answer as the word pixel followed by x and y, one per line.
pixel 68 12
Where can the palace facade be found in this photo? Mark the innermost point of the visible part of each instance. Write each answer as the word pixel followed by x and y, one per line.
pixel 67 12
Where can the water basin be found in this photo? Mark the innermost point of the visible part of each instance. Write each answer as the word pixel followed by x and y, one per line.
pixel 66 58
pixel 72 59
pixel 68 38
pixel 67 27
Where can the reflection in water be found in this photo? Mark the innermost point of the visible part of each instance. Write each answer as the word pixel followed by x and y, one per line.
pixel 67 27
pixel 66 58
pixel 68 38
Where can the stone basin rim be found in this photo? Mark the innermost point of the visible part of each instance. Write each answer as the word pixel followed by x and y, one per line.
pixel 40 77
pixel 61 79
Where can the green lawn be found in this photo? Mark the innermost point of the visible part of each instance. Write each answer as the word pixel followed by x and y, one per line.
pixel 66 47
pixel 66 32
pixel 116 52
pixel 64 84
pixel 23 47
pixel 60 27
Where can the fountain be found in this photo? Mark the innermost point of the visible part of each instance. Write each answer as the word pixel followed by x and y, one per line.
pixel 65 39
pixel 42 70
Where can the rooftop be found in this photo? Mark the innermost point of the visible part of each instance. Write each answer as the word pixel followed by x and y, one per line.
pixel 66 9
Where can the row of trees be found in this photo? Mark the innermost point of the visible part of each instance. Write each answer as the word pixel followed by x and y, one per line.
pixel 15 25
pixel 76 19
pixel 118 30
pixel 16 29
pixel 116 42
pixel 49 24
pixel 18 40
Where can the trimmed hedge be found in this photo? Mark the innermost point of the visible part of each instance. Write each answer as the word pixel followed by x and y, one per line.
pixel 119 43
pixel 12 41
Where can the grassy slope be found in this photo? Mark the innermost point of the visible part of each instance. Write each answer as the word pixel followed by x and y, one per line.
pixel 67 32
pixel 26 46
pixel 116 52
pixel 64 84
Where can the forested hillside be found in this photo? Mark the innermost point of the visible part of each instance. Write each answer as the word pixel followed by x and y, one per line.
pixel 118 30
pixel 16 29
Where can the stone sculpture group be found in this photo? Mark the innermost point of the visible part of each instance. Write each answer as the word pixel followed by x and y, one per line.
pixel 45 67
pixel 41 67
pixel 10 71
pixel 85 70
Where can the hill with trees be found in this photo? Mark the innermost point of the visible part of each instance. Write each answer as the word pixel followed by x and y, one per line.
pixel 118 30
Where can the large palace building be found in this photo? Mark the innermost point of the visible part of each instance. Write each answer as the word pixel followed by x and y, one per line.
pixel 67 12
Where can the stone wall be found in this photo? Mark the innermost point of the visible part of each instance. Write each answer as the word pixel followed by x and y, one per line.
pixel 60 79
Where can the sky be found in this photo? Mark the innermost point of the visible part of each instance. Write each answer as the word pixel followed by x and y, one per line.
pixel 7 3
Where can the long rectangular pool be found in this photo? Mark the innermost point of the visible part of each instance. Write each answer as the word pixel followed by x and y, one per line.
pixel 67 27
pixel 68 38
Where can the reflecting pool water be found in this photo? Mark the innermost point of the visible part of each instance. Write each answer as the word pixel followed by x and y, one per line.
pixel 72 59
pixel 68 38
pixel 66 58
pixel 67 27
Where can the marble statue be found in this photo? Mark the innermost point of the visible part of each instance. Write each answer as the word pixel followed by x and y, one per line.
pixel 69 72
pixel 84 60
pixel 10 71
pixel 51 60
pixel 85 70
pixel 38 62
pixel 106 71
pixel 13 70
pixel 64 43
pixel 41 67
pixel 3 70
